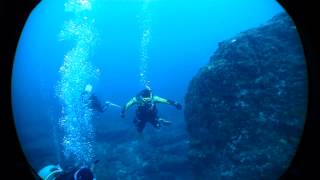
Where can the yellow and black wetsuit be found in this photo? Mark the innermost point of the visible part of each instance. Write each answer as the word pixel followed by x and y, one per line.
pixel 146 110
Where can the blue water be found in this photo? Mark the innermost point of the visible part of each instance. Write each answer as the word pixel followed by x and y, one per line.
pixel 161 43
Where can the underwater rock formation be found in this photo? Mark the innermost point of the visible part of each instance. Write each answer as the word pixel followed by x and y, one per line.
pixel 156 156
pixel 245 110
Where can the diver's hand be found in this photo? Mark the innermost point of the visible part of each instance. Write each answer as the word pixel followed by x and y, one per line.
pixel 178 106
pixel 122 115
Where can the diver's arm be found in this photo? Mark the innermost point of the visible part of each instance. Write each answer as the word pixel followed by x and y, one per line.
pixel 158 99
pixel 130 103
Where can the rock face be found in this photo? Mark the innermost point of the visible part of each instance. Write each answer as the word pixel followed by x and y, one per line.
pixel 157 155
pixel 245 110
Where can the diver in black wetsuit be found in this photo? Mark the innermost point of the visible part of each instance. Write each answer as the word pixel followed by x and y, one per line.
pixel 92 100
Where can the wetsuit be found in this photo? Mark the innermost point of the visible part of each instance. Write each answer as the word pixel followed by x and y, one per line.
pixel 92 102
pixel 147 111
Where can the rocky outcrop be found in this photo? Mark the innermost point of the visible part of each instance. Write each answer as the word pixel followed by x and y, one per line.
pixel 155 155
pixel 245 109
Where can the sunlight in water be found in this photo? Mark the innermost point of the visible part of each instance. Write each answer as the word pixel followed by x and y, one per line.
pixel 76 72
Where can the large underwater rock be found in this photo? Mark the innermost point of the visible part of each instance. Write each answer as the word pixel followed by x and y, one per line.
pixel 245 110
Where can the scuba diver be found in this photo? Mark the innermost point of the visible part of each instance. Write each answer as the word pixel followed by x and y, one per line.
pixel 146 109
pixel 55 172
pixel 94 102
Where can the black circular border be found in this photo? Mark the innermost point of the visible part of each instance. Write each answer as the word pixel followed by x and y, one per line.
pixel 304 14
pixel 305 163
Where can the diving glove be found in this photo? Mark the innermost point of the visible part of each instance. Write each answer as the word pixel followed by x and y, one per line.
pixel 178 106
